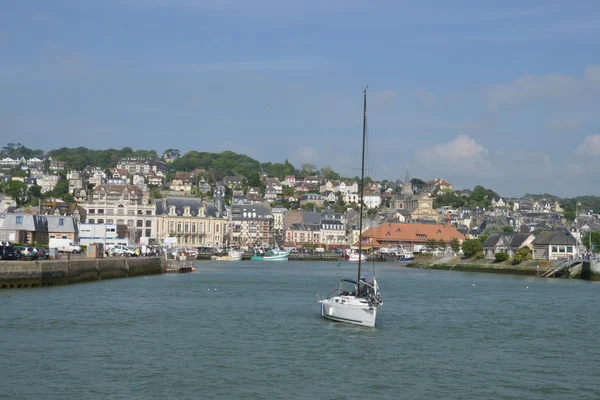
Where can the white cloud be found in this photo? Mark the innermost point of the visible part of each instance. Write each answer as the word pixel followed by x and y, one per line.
pixel 462 155
pixel 590 146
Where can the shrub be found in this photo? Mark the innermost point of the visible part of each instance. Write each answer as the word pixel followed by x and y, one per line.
pixel 523 254
pixel 500 257
pixel 479 256
pixel 470 247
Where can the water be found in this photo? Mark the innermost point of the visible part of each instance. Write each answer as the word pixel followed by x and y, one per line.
pixel 251 330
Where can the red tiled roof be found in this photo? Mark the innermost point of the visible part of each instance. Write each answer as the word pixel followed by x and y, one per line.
pixel 412 232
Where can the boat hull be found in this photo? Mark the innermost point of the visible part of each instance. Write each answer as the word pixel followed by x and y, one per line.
pixel 278 257
pixel 349 310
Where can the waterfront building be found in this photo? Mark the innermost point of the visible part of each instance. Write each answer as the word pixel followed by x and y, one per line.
pixel 506 242
pixel 23 228
pixel 191 221
pixel 127 205
pixel 251 224
pixel 555 245
pixel 412 236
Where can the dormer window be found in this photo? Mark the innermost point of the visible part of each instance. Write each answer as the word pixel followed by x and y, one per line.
pixel 172 210
pixel 186 211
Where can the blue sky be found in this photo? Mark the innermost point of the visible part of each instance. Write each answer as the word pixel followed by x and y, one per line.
pixel 500 93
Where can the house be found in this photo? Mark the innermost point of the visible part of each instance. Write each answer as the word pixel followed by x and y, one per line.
pixel 270 193
pixel 290 181
pixel 333 232
pixel 507 242
pixel 275 184
pixel 372 200
pixel 555 245
pixel 141 164
pixel 203 186
pixel 119 173
pixel 278 218
pixel 49 182
pixel 12 162
pixel 231 181
pixel 237 191
pixel 438 185
pixel 311 180
pixel 329 196
pixel 62 227
pixel 350 198
pixel 57 165
pixel 138 179
pixel 23 228
pixel 182 182
pixel 498 203
pixel 312 198
pixel 155 180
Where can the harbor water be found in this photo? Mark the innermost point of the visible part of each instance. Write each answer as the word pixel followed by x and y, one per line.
pixel 252 330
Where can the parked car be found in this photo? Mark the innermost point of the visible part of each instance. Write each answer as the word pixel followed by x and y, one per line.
pixel 28 252
pixel 120 250
pixel 43 254
pixel 9 253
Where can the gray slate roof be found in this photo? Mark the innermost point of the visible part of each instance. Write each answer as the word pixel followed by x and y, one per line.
pixel 562 237
pixel 514 239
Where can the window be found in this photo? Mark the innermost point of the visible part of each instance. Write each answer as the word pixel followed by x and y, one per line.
pixel 193 228
pixel 92 211
pixel 148 224
pixel 139 223
pixel 171 226
pixel 187 227
pixel 569 249
pixel 100 211
pixel 64 237
pixel 179 226
pixel 561 249
pixel 19 220
pixel 61 222
pixel 555 249
pixel 148 212
pixel 91 221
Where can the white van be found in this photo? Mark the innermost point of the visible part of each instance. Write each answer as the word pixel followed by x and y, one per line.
pixel 64 245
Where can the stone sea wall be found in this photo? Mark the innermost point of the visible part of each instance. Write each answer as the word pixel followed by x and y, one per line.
pixel 14 274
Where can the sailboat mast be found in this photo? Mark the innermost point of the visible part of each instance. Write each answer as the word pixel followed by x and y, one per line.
pixel 362 188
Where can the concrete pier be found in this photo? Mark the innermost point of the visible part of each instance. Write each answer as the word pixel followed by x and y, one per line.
pixel 590 270
pixel 17 274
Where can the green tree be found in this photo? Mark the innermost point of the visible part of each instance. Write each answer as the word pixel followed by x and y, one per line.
pixel 595 240
pixel 508 229
pixel 570 215
pixel 471 247
pixel 455 245
pixel 431 244
pixel 441 244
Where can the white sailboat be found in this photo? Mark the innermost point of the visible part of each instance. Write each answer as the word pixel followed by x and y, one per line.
pixel 359 304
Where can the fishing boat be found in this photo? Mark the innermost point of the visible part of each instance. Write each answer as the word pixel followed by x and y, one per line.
pixel 355 300
pixel 232 255
pixel 406 255
pixel 262 254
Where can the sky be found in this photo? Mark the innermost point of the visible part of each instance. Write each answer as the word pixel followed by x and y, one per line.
pixel 504 94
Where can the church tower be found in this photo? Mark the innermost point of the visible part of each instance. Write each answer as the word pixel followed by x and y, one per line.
pixel 407 187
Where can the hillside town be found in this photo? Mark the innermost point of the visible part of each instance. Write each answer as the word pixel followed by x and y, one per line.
pixel 140 200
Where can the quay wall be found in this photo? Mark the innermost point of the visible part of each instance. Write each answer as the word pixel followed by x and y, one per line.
pixel 590 270
pixel 16 274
